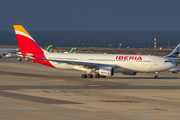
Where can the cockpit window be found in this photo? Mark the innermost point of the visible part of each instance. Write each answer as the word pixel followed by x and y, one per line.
pixel 167 61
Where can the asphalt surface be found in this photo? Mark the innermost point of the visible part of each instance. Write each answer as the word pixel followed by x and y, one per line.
pixel 33 91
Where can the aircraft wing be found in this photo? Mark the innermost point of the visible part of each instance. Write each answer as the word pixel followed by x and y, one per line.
pixel 92 65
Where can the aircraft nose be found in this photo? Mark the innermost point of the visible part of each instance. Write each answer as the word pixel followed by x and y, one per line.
pixel 172 65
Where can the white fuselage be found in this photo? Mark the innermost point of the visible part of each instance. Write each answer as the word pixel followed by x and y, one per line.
pixel 9 50
pixel 120 62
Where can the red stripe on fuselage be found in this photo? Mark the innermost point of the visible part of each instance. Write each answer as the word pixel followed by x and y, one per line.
pixel 28 45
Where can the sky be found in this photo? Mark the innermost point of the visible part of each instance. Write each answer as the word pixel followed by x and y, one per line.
pixel 90 15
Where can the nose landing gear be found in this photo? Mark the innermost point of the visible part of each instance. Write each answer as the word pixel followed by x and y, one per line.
pixel 156 75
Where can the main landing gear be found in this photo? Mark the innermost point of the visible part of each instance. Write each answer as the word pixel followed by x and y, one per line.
pixel 91 76
pixel 87 76
pixel 99 76
pixel 156 75
pixel 175 72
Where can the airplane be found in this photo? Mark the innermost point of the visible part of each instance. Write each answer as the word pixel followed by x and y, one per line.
pixel 175 70
pixel 9 50
pixel 4 51
pixel 174 56
pixel 102 65
pixel 18 54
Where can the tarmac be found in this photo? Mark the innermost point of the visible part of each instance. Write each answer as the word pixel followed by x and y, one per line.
pixel 31 91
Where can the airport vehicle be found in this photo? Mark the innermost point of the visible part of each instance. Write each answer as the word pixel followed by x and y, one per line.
pixel 101 64
pixel 17 54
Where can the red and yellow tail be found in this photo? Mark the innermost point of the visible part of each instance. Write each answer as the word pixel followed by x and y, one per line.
pixel 26 43
pixel 28 46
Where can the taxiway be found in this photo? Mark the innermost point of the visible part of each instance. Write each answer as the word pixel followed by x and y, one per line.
pixel 30 91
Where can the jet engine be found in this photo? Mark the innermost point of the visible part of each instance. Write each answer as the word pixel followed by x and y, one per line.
pixel 105 71
pixel 130 73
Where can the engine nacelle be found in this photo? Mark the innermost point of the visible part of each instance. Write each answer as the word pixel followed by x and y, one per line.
pixel 130 73
pixel 106 71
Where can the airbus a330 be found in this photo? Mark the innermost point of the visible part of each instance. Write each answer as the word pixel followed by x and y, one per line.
pixel 101 64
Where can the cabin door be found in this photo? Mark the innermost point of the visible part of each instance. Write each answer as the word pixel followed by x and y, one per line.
pixel 156 61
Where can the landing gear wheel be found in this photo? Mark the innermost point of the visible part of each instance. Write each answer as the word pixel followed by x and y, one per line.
pixel 97 76
pixel 90 76
pixel 174 72
pixel 84 76
pixel 103 76
pixel 156 77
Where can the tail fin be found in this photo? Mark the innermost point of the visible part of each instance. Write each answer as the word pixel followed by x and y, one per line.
pixel 49 48
pixel 28 46
pixel 175 53
pixel 26 43
pixel 73 50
